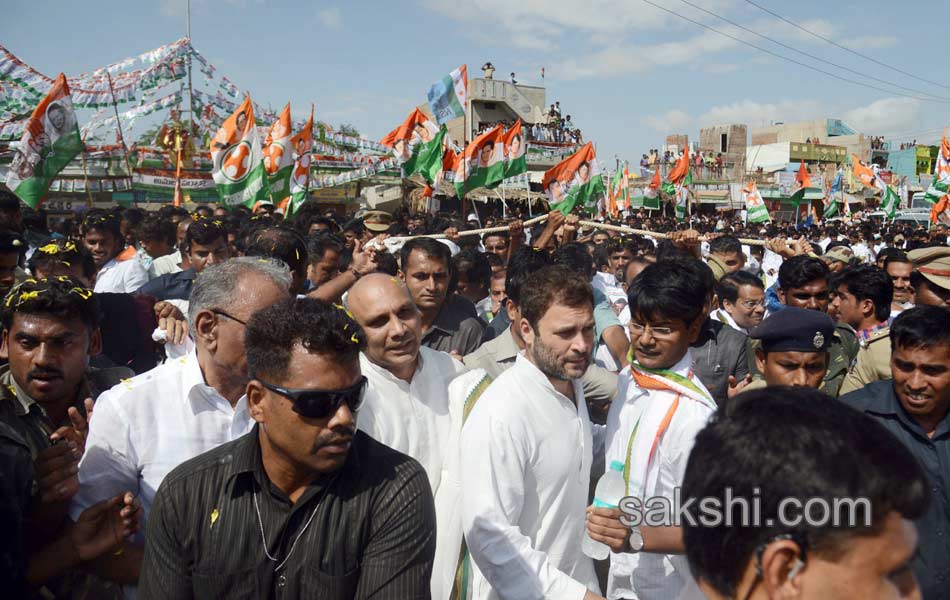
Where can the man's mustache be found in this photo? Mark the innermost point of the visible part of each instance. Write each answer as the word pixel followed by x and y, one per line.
pixel 44 373
pixel 337 436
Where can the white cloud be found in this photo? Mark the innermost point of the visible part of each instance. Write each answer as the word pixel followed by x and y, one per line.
pixel 670 121
pixel 886 115
pixel 756 114
pixel 331 18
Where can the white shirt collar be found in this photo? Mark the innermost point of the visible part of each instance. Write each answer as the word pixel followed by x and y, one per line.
pixel 194 385
pixel 534 375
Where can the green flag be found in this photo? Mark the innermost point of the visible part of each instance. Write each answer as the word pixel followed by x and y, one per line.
pixel 429 159
pixel 50 141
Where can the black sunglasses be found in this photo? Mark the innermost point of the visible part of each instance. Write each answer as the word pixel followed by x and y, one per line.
pixel 320 404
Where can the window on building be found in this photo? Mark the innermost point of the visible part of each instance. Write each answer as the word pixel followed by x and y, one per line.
pixel 723 142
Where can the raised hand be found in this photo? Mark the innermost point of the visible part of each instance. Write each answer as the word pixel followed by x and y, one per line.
pixel 78 430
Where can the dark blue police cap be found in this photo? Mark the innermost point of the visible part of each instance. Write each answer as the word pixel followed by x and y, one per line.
pixel 795 330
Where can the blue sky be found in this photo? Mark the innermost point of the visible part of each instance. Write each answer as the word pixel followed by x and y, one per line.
pixel 628 73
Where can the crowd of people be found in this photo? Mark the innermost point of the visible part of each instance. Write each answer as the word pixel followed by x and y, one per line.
pixel 223 404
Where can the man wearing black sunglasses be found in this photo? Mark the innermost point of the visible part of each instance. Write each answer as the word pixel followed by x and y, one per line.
pixel 304 506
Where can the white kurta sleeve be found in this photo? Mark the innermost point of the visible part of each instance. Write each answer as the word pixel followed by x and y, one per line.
pixel 135 277
pixel 108 465
pixel 494 461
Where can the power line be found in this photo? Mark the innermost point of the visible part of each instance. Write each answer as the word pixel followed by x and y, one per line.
pixel 811 56
pixel 791 60
pixel 837 45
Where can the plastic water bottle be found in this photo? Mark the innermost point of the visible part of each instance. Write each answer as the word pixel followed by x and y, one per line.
pixel 609 492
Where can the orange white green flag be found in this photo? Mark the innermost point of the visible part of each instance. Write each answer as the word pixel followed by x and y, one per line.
pixel 575 181
pixel 651 196
pixel 448 96
pixel 416 144
pixel 890 201
pixel 278 156
pixel 482 164
pixel 50 141
pixel 940 184
pixel 237 161
pixel 301 146
pixel 756 211
pixel 862 172
pixel 515 161
pixel 940 211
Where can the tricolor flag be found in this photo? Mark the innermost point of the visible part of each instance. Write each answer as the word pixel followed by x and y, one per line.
pixel 409 139
pixel 651 198
pixel 238 161
pixel 50 141
pixel 619 193
pixel 482 164
pixel 890 201
pixel 302 147
pixel 863 173
pixel 428 161
pixel 447 96
pixel 682 195
pixel 612 194
pixel 678 172
pixel 803 179
pixel 278 156
pixel 575 181
pixel 940 184
pixel 830 204
pixel 940 211
pixel 626 185
pixel 515 161
pixel 756 211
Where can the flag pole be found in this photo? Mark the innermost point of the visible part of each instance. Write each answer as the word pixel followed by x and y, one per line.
pixel 118 125
pixel 85 176
pixel 191 91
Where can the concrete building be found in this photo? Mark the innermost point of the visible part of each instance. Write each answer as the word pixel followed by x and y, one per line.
pixel 833 132
pixel 730 141
pixel 676 143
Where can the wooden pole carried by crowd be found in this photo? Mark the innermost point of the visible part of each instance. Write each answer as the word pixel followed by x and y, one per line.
pixel 592 224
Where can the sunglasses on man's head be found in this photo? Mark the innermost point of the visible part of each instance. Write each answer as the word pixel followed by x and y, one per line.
pixel 320 404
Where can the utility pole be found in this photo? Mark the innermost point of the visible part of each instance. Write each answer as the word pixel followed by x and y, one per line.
pixel 191 93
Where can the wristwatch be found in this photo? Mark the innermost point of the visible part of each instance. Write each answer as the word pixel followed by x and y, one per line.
pixel 635 541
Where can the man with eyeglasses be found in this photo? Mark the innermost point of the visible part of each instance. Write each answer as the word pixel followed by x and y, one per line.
pixel 741 301
pixel 305 505
pixel 660 406
pixel 774 447
pixel 148 425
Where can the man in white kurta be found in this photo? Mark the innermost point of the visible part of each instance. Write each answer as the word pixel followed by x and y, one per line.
pixel 527 450
pixel 660 407
pixel 526 457
pixel 413 404
pixel 645 575
pixel 411 416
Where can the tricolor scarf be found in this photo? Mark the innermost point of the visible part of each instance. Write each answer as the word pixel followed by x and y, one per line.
pixel 654 420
